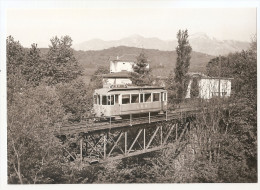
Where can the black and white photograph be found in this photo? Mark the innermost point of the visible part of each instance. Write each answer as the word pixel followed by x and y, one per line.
pixel 129 92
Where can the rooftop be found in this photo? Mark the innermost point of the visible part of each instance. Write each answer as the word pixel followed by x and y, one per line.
pixel 127 88
pixel 203 76
pixel 126 57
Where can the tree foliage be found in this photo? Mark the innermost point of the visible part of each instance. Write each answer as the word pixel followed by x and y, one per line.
pixel 15 58
pixel 171 90
pixel 32 119
pixel 183 51
pixel 76 99
pixel 33 68
pixel 96 79
pixel 61 66
pixel 194 89
pixel 36 107
pixel 142 74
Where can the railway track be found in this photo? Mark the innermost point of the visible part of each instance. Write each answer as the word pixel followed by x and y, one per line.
pixel 91 126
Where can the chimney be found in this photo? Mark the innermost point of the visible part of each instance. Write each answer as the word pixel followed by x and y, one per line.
pixel 117 57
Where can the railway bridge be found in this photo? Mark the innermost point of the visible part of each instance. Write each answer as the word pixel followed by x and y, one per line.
pixel 93 142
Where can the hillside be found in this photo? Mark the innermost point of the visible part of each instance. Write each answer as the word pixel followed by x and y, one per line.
pixel 161 62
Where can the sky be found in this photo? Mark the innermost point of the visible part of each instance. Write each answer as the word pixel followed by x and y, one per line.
pixel 39 25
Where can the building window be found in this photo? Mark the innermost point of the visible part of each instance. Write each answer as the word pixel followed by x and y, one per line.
pixel 147 97
pixel 126 99
pixel 134 98
pixel 156 97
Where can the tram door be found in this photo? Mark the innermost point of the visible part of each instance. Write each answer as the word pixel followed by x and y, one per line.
pixel 161 101
pixel 116 105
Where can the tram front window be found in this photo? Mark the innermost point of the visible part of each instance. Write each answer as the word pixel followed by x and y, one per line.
pixel 116 98
pixel 104 100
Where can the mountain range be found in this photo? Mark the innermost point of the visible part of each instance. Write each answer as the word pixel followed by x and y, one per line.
pixel 200 42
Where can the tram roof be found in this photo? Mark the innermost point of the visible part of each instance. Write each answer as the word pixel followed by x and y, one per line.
pixel 132 89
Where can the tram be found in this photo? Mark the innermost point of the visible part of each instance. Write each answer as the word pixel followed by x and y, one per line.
pixel 121 101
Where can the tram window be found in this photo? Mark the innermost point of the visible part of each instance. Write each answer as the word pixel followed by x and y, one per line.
pixel 147 97
pixel 116 98
pixel 164 96
pixel 134 98
pixel 104 100
pixel 108 100
pixel 126 99
pixel 98 99
pixel 112 100
pixel 156 97
pixel 141 98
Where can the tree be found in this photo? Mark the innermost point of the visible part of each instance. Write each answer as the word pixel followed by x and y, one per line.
pixel 171 90
pixel 141 64
pixel 141 75
pixel 76 99
pixel 61 66
pixel 33 68
pixel 183 51
pixel 194 89
pixel 32 118
pixel 219 66
pixel 15 58
pixel 96 80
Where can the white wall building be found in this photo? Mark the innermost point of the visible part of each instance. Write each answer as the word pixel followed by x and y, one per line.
pixel 118 66
pixel 209 87
pixel 124 63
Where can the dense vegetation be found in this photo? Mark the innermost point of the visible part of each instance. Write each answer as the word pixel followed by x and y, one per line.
pixel 45 89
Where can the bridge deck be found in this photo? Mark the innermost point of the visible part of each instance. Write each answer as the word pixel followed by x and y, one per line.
pixel 87 127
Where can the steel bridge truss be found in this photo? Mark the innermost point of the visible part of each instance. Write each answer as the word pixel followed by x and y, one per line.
pixel 111 144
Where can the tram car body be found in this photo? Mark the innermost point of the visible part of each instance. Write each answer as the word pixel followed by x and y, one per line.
pixel 118 102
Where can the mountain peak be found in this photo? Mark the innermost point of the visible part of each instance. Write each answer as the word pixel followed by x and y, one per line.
pixel 200 35
pixel 200 42
pixel 135 36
